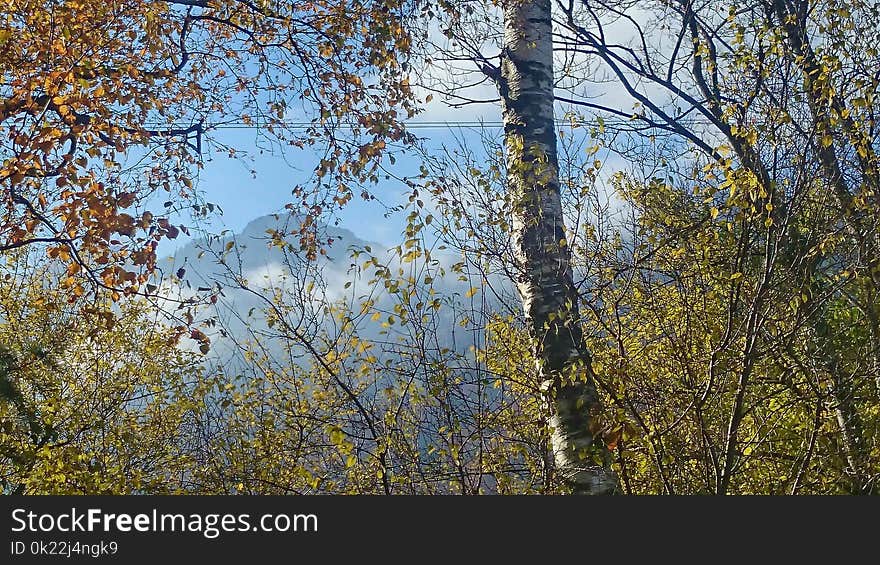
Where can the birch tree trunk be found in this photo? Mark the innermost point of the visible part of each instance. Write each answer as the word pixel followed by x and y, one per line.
pixel 544 264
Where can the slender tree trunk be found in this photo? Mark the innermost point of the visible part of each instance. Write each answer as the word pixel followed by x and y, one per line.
pixel 820 101
pixel 849 427
pixel 545 276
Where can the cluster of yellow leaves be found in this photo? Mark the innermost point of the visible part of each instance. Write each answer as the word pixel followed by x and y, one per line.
pixel 94 400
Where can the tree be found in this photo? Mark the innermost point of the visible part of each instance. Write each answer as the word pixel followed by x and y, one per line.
pixel 720 118
pixel 525 83
pixel 545 283
pixel 797 116
pixel 703 319
pixel 108 108
pixel 93 399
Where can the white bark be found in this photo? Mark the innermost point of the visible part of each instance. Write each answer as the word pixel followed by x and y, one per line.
pixel 545 277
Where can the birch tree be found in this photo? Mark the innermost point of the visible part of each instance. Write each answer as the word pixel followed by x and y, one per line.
pixel 545 283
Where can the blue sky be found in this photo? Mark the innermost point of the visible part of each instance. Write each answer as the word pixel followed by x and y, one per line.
pixel 244 196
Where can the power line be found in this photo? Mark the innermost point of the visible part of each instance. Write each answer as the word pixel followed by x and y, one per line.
pixel 305 125
pixel 560 122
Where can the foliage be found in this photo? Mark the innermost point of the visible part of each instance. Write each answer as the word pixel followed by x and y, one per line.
pixel 95 399
pixel 109 108
pixel 722 223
